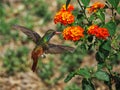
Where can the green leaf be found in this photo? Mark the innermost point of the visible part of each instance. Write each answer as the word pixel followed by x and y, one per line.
pixel 114 3
pixel 84 72
pixel 92 17
pixel 100 66
pixel 83 48
pixel 69 76
pixel 87 85
pixel 117 82
pixel 111 26
pixel 103 51
pixel 101 15
pixel 67 3
pixel 85 2
pixel 100 57
pixel 72 86
pixel 118 9
pixel 118 56
pixel 101 75
pixel 106 45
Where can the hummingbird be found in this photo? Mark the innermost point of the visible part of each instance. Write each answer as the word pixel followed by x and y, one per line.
pixel 42 44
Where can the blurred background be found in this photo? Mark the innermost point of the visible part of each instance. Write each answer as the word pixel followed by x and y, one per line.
pixel 16 48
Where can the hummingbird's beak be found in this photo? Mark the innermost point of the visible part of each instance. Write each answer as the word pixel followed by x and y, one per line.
pixel 57 32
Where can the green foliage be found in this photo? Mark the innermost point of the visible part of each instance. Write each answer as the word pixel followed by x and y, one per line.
pixel 67 3
pixel 118 9
pixel 73 60
pixel 15 61
pixel 45 71
pixel 107 51
pixel 111 26
pixel 70 76
pixel 85 2
pixel 102 75
pixel 43 11
pixel 84 72
pixel 117 80
pixel 72 86
pixel 87 85
pixel 2 10
pixel 114 3
pixel 28 1
pixel 103 52
pixel 100 14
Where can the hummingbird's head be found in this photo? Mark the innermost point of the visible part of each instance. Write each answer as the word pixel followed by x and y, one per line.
pixel 48 35
pixel 50 32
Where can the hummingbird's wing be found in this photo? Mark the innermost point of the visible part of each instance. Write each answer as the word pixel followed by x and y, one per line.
pixel 31 34
pixel 56 49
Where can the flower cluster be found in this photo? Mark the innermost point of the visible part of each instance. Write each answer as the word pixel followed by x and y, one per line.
pixel 69 8
pixel 92 30
pixel 64 16
pixel 73 33
pixel 101 33
pixel 95 7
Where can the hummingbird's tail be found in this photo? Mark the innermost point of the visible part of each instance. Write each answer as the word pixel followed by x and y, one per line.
pixel 35 60
pixel 34 65
pixel 36 53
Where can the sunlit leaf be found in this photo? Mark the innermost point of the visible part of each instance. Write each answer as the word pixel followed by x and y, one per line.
pixel 101 75
pixel 111 26
pixel 85 2
pixel 101 15
pixel 69 76
pixel 118 9
pixel 84 72
pixel 114 3
pixel 92 17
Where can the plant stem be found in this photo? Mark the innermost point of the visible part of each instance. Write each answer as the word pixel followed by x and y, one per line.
pixel 83 10
pixel 113 16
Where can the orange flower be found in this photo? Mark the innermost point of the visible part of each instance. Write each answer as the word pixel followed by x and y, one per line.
pixel 95 7
pixel 93 29
pixel 101 33
pixel 64 17
pixel 69 8
pixel 73 33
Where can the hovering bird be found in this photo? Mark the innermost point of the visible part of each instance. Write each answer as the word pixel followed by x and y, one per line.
pixel 42 44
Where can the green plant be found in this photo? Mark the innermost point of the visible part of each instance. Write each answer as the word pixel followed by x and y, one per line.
pixel 15 61
pixel 72 86
pixel 91 32
pixel 78 55
pixel 45 71
pixel 5 26
pixel 43 11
